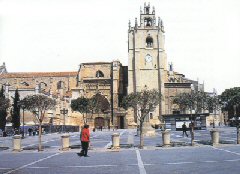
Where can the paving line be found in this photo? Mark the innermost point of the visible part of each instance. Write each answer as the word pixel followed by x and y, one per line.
pixel 140 163
pixel 228 151
pixel 91 166
pixel 179 163
pixel 1 168
pixel 38 167
pixel 24 166
pixel 209 161
pixel 232 160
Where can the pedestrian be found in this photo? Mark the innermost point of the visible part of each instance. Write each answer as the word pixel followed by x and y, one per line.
pixel 85 139
pixel 4 133
pixel 81 152
pixel 184 129
pixel 30 131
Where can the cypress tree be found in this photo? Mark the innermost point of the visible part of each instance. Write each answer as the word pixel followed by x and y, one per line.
pixel 16 111
pixel 3 110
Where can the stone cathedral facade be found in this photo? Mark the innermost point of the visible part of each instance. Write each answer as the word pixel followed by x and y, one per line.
pixel 147 69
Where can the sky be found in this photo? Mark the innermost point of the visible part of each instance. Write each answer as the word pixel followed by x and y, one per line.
pixel 202 37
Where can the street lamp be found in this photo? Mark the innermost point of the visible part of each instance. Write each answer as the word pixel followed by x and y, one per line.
pixel 51 120
pixel 21 105
pixel 64 112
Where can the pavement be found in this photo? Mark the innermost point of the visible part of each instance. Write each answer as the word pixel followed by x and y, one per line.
pixel 180 158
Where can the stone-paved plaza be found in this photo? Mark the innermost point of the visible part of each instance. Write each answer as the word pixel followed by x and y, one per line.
pixel 180 158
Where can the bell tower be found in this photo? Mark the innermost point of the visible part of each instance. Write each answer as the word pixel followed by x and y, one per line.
pixel 147 60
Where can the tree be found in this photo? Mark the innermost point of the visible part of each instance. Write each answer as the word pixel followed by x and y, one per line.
pixel 98 103
pixel 235 101
pixel 16 111
pixel 191 101
pixel 4 105
pixel 101 103
pixel 212 104
pixel 144 102
pixel 81 105
pixel 226 98
pixel 230 99
pixel 38 105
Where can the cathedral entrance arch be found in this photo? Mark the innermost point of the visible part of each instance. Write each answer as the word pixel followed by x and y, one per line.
pixel 99 122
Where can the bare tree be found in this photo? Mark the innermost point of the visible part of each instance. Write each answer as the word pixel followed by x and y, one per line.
pixel 212 104
pixel 144 102
pixel 191 101
pixel 38 105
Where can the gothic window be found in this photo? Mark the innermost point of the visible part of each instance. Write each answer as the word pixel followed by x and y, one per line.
pixel 149 42
pixel 99 74
pixel 148 22
pixel 60 85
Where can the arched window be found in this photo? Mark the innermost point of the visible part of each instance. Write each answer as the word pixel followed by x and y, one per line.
pixel 148 22
pixel 99 74
pixel 149 42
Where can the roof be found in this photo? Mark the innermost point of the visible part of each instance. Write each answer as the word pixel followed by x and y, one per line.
pixel 38 74
pixel 96 63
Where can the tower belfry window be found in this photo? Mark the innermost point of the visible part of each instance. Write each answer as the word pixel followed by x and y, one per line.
pixel 147 10
pixel 99 74
pixel 149 42
pixel 148 22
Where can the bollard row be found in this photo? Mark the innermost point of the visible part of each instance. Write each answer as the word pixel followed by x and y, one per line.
pixel 115 140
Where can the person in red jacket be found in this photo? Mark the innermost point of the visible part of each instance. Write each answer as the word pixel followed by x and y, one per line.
pixel 85 138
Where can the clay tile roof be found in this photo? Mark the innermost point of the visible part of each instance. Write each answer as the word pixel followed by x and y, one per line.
pixel 38 74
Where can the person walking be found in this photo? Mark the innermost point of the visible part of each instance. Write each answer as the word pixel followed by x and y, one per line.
pixel 184 129
pixel 85 139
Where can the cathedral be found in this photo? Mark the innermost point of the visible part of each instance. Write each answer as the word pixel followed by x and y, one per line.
pixel 147 68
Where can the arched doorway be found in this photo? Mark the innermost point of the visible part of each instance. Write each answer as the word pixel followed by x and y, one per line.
pixel 99 121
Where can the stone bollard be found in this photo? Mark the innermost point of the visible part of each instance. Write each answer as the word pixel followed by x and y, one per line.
pixel 17 143
pixel 130 140
pixel 166 138
pixel 115 141
pixel 215 136
pixel 65 142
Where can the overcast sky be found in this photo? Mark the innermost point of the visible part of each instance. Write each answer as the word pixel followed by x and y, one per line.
pixel 202 36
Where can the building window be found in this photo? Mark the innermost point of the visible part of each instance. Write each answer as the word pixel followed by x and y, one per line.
pixel 149 42
pixel 99 74
pixel 60 85
pixel 151 115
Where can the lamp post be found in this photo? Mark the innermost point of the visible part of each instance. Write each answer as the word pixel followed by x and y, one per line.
pixel 64 112
pixel 51 120
pixel 192 111
pixel 21 105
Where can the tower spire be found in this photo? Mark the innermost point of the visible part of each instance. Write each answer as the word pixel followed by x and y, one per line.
pixel 153 11
pixel 129 24
pixel 136 23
